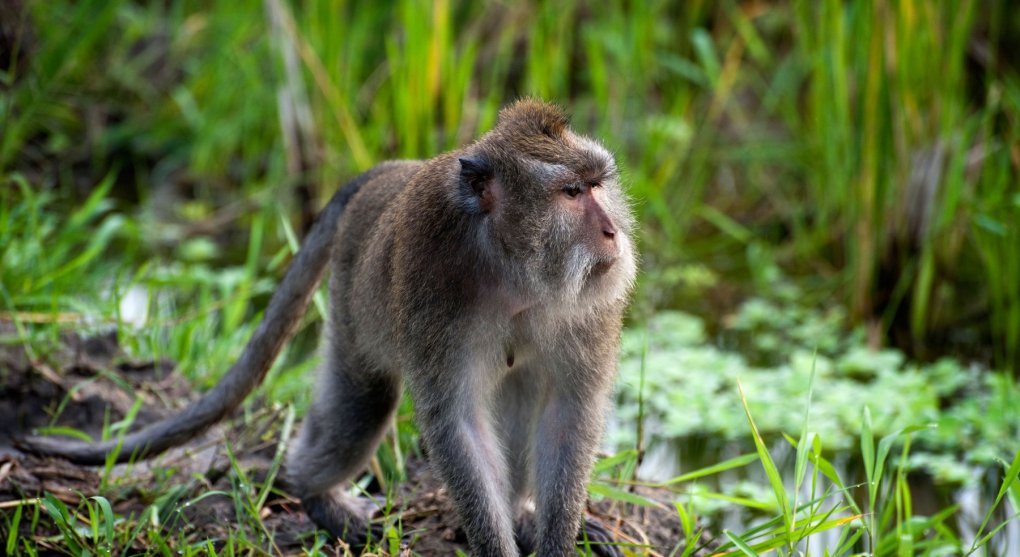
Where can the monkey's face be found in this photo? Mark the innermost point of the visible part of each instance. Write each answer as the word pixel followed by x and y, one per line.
pixel 555 211
pixel 551 206
pixel 588 223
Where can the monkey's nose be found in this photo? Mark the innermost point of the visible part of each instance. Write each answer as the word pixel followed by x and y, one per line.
pixel 608 230
pixel 608 247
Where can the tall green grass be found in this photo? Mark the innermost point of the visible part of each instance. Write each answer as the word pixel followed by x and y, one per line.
pixel 872 140
pixel 908 168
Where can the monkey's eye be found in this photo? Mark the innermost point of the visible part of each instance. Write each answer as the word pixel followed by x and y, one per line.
pixel 572 190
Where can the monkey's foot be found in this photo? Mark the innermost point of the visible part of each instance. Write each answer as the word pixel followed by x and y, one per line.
pixel 595 535
pixel 524 534
pixel 338 516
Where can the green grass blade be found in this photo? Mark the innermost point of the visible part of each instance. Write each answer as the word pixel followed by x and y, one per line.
pixel 12 529
pixel 740 543
pixel 775 480
pixel 281 450
pixel 728 464
pixel 1012 473
pixel 108 520
pixel 621 495
pixel 612 461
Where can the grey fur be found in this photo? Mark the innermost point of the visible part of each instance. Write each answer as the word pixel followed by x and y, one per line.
pixel 499 301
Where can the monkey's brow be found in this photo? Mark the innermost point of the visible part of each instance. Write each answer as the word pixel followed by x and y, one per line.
pixel 592 176
pixel 594 171
pixel 589 167
pixel 599 175
pixel 594 163
pixel 553 172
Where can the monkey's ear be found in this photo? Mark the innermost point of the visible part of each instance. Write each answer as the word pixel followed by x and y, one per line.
pixel 477 184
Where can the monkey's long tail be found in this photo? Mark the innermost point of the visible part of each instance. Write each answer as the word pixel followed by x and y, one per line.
pixel 286 307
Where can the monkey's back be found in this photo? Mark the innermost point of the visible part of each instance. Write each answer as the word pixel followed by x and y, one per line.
pixel 361 274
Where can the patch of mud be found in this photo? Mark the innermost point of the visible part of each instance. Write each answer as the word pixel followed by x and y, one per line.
pixel 81 384
pixel 84 383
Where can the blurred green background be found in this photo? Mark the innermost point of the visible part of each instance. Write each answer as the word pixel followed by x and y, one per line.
pixel 870 147
pixel 828 192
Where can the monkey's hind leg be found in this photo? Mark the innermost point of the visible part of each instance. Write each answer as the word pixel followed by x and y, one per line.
pixel 348 417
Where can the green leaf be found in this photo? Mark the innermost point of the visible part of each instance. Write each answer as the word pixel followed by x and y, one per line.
pixel 740 543
pixel 611 461
pixel 108 521
pixel 705 49
pixel 621 495
pixel 686 522
pixel 728 464
pixel 66 431
pixel 1012 472
pixel 775 480
pixel 12 528
pixel 742 501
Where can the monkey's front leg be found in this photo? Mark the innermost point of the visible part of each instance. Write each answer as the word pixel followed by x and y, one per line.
pixel 462 445
pixel 568 434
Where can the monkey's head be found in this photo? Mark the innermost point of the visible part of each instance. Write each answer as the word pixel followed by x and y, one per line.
pixel 551 204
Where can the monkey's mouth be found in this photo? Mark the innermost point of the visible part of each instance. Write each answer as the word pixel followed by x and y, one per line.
pixel 601 267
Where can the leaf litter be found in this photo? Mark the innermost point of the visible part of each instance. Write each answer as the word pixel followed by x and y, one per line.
pixel 206 489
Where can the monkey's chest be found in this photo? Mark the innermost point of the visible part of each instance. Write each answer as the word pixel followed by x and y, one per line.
pixel 521 347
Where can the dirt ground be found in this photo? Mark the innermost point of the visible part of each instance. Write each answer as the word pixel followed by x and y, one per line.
pixel 88 381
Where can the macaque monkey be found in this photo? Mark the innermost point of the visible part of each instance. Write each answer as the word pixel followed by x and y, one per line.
pixel 492 281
